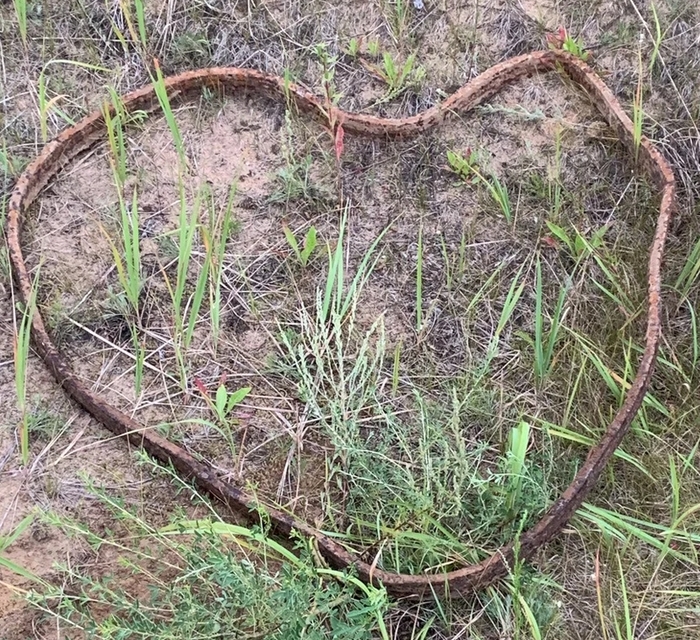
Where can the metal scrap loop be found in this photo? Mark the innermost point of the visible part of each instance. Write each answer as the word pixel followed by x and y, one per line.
pixel 90 130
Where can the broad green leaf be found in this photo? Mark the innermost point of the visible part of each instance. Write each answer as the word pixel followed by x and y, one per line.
pixel 221 396
pixel 236 398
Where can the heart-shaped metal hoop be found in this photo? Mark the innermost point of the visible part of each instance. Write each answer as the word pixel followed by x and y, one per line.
pixel 90 130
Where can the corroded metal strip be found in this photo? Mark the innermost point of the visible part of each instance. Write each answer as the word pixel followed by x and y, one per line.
pixel 87 132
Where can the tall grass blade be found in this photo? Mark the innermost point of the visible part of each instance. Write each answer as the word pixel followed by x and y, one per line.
pixel 517 451
pixel 545 342
pixel 620 527
pixel 638 109
pixel 530 618
pixel 220 232
pixel 334 278
pixel 625 605
pixel 141 22
pixel 196 301
pixel 511 301
pixel 336 298
pixel 188 222
pixel 419 281
pixel 115 135
pixel 20 7
pixel 691 269
pixel 563 433
pixel 46 105
pixel 21 356
pixel 164 101
pixel 7 541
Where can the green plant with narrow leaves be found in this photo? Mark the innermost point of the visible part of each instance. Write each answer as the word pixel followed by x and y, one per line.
pixel 398 14
pixel 509 305
pixel 128 268
pixel 20 7
pixel 164 101
pixel 303 253
pixel 22 338
pixel 185 310
pixel 658 37
pixel 7 540
pixel 399 77
pixel 638 108
pixel 578 245
pixel 215 237
pixel 689 273
pixel 136 30
pixel 419 282
pixel 467 168
pixel 50 105
pixel 115 118
pixel 518 443
pixel 336 297
pixel 544 341
pixel 568 435
pixel 138 34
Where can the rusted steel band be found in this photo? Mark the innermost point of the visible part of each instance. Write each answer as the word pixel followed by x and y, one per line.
pixel 87 132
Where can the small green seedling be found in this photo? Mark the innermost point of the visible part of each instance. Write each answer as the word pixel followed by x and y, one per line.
pixel 302 254
pixel 517 451
pixel 353 48
pixel 6 541
pixel 468 169
pixel 562 40
pixel 227 401
pixel 577 245
pixel 224 402
pixel 399 77
pixel 330 93
pixel 395 74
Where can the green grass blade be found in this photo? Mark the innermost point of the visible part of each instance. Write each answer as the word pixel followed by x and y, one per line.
pixel 563 433
pixel 197 298
pixel 630 526
pixel 625 601
pixel 517 450
pixel 539 322
pixel 691 269
pixel 9 539
pixel 164 101
pixel 8 564
pixel 509 305
pixel 21 355
pixel 419 281
pixel 187 527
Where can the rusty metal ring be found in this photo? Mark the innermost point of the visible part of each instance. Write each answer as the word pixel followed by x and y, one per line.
pixel 87 132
